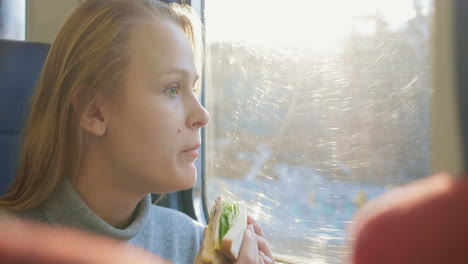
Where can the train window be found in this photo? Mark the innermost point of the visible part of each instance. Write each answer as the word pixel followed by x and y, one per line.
pixel 12 19
pixel 317 107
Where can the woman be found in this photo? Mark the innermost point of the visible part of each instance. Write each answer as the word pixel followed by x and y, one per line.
pixel 114 118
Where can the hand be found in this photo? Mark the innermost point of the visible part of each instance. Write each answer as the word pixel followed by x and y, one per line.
pixel 254 249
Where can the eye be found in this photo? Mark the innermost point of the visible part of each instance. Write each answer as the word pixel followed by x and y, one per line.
pixel 196 88
pixel 173 90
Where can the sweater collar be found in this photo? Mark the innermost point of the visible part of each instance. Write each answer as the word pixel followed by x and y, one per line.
pixel 65 207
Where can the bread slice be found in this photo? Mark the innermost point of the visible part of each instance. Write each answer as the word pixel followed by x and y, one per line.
pixel 215 216
pixel 209 254
pixel 232 241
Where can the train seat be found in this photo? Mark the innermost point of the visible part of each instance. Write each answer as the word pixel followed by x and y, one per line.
pixel 20 66
pixel 422 222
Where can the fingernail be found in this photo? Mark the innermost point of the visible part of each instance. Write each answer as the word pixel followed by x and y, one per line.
pixel 251 228
pixel 265 256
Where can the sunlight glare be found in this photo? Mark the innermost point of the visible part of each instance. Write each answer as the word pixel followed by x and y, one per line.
pixel 315 23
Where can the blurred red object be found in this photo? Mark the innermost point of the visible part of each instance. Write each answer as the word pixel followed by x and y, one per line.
pixel 423 222
pixel 28 242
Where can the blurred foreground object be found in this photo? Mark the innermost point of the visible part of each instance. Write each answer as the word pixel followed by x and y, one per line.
pixel 29 242
pixel 422 222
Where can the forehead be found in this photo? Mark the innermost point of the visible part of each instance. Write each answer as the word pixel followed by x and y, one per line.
pixel 159 46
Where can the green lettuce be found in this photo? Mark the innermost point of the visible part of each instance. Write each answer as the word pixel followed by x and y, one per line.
pixel 228 216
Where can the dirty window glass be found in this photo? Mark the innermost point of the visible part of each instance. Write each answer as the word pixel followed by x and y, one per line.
pixel 317 107
pixel 12 19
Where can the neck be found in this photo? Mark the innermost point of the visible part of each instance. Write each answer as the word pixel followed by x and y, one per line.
pixel 98 187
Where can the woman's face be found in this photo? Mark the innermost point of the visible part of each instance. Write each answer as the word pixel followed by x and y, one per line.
pixel 153 126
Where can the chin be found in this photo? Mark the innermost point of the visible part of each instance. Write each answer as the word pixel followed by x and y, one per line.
pixel 188 181
pixel 187 176
pixel 180 180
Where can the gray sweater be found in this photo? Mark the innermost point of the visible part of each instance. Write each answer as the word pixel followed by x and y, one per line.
pixel 165 232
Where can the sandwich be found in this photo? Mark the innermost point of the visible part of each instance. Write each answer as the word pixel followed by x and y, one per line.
pixel 225 232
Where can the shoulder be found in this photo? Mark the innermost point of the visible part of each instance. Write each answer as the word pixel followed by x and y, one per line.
pixel 34 214
pixel 5 214
pixel 177 237
pixel 175 220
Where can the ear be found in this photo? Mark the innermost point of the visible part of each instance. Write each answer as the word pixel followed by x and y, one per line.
pixel 93 121
pixel 92 118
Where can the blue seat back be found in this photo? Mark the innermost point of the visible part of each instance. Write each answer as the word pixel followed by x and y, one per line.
pixel 20 66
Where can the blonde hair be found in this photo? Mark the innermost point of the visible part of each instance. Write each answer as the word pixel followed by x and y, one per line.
pixel 89 56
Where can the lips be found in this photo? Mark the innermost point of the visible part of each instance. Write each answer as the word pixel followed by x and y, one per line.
pixel 192 151
pixel 194 147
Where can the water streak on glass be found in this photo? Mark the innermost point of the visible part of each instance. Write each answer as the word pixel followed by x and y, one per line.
pixel 317 107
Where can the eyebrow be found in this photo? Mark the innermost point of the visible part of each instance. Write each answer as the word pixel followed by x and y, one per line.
pixel 180 71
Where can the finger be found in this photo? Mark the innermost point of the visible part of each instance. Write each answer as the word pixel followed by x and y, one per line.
pixel 262 243
pixel 263 247
pixel 261 261
pixel 250 220
pixel 258 229
pixel 249 250
pixel 265 258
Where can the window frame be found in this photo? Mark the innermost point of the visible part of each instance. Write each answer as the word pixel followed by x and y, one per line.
pixel 461 69
pixel 187 201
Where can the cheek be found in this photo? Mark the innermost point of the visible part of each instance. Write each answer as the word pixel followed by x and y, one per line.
pixel 155 122
pixel 161 137
pixel 154 128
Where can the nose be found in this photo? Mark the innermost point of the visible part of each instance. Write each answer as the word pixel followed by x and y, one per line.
pixel 198 116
